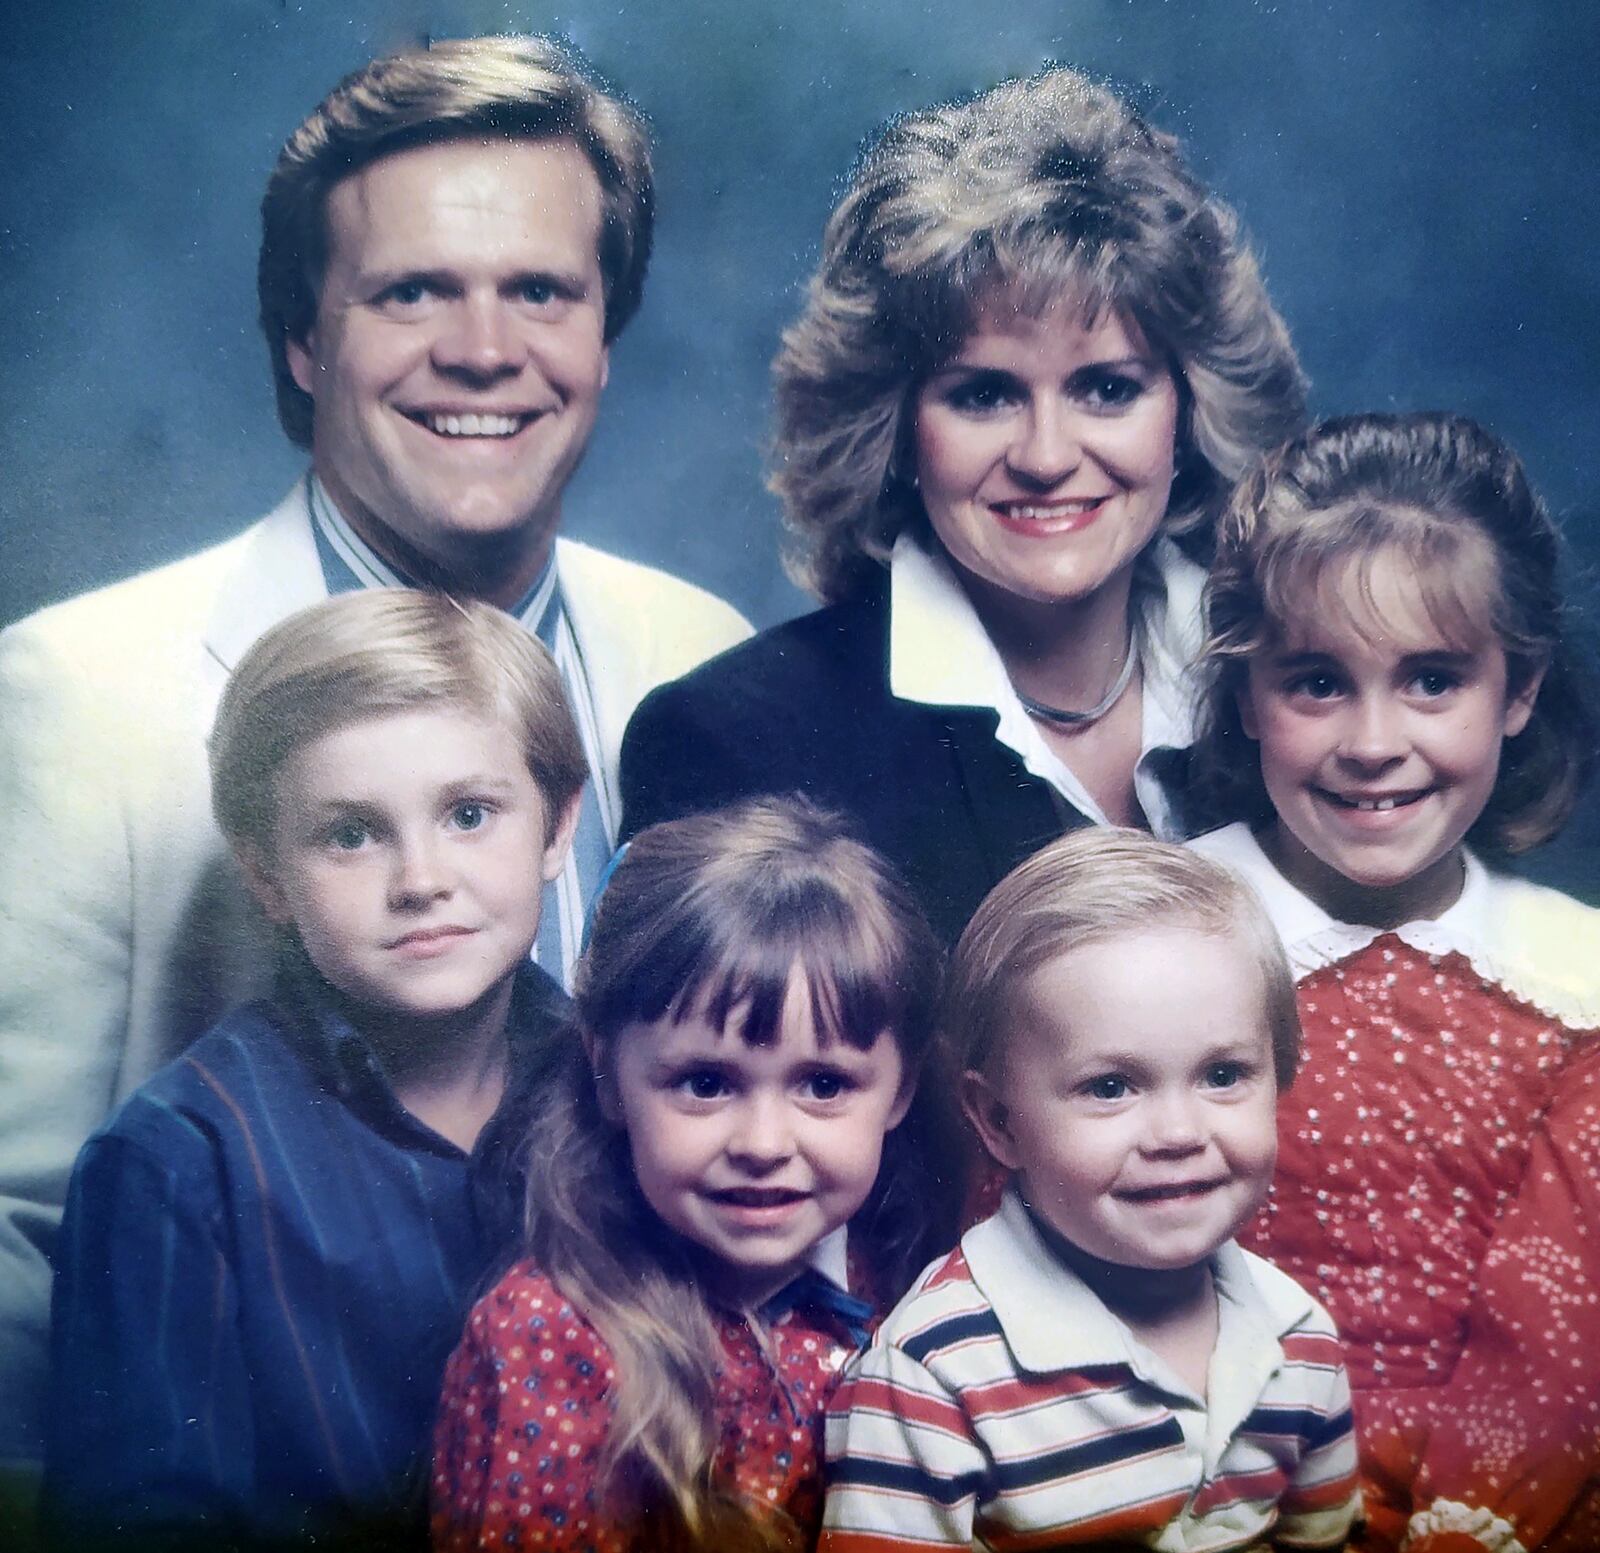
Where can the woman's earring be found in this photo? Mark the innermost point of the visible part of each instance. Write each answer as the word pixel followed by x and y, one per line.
pixel 898 479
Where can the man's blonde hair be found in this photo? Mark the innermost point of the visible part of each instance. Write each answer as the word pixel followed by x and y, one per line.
pixel 375 653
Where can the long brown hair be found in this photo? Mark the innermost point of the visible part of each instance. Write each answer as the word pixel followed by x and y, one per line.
pixel 713 915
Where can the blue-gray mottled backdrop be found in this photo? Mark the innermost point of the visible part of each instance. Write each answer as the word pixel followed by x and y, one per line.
pixel 1420 177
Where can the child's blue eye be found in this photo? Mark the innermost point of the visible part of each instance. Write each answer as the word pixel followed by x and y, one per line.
pixel 469 814
pixel 348 835
pixel 1109 1086
pixel 1315 687
pixel 1435 682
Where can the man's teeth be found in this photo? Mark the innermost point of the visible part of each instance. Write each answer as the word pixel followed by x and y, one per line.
pixel 475 425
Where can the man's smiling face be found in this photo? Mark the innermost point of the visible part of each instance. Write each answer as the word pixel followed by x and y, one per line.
pixel 458 355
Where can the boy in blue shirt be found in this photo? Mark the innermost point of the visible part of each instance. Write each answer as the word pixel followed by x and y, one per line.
pixel 268 1251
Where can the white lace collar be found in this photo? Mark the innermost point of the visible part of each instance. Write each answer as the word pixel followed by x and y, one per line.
pixel 1541 946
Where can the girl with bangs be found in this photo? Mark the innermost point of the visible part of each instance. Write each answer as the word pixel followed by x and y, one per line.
pixel 1394 709
pixel 732 1166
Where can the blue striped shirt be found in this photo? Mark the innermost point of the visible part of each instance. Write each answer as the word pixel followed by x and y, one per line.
pixel 348 563
pixel 264 1264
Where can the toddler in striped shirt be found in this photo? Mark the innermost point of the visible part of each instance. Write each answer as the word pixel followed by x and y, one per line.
pixel 1099 1362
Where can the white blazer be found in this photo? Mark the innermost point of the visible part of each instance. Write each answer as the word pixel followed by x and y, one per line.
pixel 124 931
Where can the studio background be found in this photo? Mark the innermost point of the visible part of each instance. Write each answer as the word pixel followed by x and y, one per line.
pixel 1419 178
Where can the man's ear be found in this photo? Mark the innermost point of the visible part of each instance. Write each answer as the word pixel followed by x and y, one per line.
pixel 302 358
pixel 556 849
pixel 255 863
pixel 1247 713
pixel 599 1053
pixel 990 1116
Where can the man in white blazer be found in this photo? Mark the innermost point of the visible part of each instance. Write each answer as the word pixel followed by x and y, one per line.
pixel 450 244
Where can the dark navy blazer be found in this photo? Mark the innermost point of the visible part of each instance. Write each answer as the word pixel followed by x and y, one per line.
pixel 806 707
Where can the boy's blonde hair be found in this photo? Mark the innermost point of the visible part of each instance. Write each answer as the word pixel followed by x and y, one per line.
pixel 1089 886
pixel 372 654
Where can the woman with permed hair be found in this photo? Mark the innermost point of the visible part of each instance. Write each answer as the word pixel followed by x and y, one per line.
pixel 1034 357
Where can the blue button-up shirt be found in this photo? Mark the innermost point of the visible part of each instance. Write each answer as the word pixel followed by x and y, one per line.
pixel 264 1264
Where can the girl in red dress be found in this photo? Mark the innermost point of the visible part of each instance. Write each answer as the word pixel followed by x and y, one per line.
pixel 729 1165
pixel 1391 709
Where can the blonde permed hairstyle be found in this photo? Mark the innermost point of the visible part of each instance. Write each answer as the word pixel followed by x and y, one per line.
pixel 371 654
pixel 499 88
pixel 1453 503
pixel 711 917
pixel 1095 884
pixel 1036 191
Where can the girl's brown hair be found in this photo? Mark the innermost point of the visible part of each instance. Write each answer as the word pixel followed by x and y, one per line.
pixel 1454 502
pixel 712 916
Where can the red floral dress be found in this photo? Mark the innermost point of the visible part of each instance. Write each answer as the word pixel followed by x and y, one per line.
pixel 1438 1189
pixel 527 1405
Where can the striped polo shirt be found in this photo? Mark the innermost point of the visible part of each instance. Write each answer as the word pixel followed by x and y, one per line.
pixel 1003 1406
